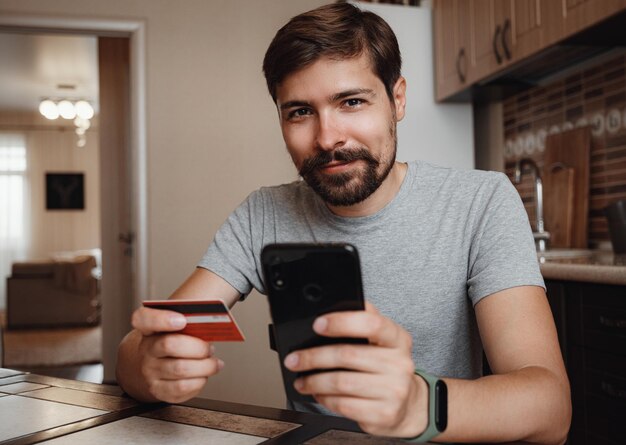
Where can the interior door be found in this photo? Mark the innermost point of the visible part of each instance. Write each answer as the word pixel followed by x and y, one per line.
pixel 116 217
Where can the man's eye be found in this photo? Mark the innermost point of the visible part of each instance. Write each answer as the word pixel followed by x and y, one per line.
pixel 354 102
pixel 299 113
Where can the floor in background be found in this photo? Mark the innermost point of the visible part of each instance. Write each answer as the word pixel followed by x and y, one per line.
pixel 50 348
pixel 73 353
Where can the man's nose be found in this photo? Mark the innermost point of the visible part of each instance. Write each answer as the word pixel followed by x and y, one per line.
pixel 330 135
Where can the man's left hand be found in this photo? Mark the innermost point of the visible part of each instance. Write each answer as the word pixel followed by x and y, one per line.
pixel 376 386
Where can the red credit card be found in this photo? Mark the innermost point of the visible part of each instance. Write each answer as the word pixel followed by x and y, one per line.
pixel 209 320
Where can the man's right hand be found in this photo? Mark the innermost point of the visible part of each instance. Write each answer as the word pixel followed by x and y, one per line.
pixel 157 364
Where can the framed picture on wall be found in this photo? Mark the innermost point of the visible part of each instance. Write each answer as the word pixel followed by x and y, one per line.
pixel 65 191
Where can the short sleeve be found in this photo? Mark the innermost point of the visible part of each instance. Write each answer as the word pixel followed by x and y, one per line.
pixel 502 253
pixel 232 254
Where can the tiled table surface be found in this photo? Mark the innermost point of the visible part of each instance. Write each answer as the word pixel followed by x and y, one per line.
pixel 37 409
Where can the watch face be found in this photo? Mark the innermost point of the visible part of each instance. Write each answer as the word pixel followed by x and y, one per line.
pixel 441 405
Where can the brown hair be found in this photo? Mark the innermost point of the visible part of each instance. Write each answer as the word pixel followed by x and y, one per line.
pixel 339 31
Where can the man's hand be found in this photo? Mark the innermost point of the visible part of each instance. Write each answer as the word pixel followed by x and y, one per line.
pixel 169 367
pixel 378 388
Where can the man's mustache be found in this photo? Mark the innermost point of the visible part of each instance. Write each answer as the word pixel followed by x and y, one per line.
pixel 326 157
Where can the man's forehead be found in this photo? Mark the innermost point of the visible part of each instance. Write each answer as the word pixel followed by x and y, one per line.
pixel 329 76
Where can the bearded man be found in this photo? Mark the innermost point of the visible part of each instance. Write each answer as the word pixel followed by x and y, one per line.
pixel 448 261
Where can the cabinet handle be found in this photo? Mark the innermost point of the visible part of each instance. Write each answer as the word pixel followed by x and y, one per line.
pixel 459 70
pixel 496 37
pixel 612 323
pixel 611 390
pixel 506 29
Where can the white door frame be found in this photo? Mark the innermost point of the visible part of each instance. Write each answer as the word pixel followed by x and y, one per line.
pixel 135 29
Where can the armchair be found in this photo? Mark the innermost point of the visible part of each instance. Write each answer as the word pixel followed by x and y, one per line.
pixel 53 294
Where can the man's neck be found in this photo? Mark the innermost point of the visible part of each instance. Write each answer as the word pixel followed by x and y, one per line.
pixel 377 200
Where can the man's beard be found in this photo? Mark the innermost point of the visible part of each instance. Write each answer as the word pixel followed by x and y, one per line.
pixel 349 188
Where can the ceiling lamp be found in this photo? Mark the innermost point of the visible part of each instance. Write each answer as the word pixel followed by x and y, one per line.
pixel 49 109
pixel 67 110
pixel 82 123
pixel 84 110
pixel 80 111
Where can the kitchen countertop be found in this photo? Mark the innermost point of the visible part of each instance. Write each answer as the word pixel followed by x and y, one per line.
pixel 593 266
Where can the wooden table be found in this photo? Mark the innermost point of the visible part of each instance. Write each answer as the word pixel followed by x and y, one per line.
pixel 36 408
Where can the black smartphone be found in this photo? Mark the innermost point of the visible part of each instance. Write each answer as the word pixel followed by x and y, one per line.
pixel 304 281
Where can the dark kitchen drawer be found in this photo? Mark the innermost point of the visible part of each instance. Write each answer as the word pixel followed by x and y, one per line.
pixel 603 295
pixel 595 375
pixel 604 329
pixel 605 418
pixel 596 316
pixel 594 439
pixel 604 363
pixel 576 372
pixel 557 300
pixel 591 319
pixel 601 341
pixel 608 386
pixel 605 319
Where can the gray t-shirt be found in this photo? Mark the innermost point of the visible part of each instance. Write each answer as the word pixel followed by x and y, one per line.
pixel 448 239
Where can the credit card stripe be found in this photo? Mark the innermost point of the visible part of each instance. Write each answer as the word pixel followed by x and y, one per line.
pixel 191 308
pixel 208 319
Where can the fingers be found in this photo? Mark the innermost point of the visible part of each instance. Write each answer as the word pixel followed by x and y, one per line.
pixel 359 410
pixel 176 391
pixel 149 321
pixel 380 405
pixel 175 367
pixel 355 384
pixel 182 369
pixel 370 324
pixel 388 352
pixel 372 417
pixel 178 345
pixel 383 373
pixel 373 384
pixel 364 358
pixel 385 405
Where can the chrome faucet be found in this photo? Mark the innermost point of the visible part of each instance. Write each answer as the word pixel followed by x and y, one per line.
pixel 540 235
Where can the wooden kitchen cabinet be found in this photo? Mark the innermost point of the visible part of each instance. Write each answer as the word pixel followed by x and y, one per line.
pixel 522 27
pixel 591 322
pixel 475 40
pixel 463 43
pixel 567 17
pixel 451 46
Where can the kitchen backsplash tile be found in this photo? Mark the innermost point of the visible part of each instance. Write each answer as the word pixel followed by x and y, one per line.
pixel 594 96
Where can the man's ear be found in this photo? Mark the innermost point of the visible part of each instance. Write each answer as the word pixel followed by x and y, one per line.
pixel 399 98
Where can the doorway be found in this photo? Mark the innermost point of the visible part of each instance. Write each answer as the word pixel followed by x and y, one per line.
pixel 122 165
pixel 49 200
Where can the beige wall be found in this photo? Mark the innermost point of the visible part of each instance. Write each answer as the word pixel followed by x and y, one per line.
pixel 52 148
pixel 212 138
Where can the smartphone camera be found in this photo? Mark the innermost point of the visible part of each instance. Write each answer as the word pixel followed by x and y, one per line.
pixel 277 278
pixel 313 293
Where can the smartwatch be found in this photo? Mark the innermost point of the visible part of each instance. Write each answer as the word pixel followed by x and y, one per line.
pixel 437 408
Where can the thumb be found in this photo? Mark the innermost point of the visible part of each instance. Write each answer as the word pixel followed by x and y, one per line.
pixel 149 321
